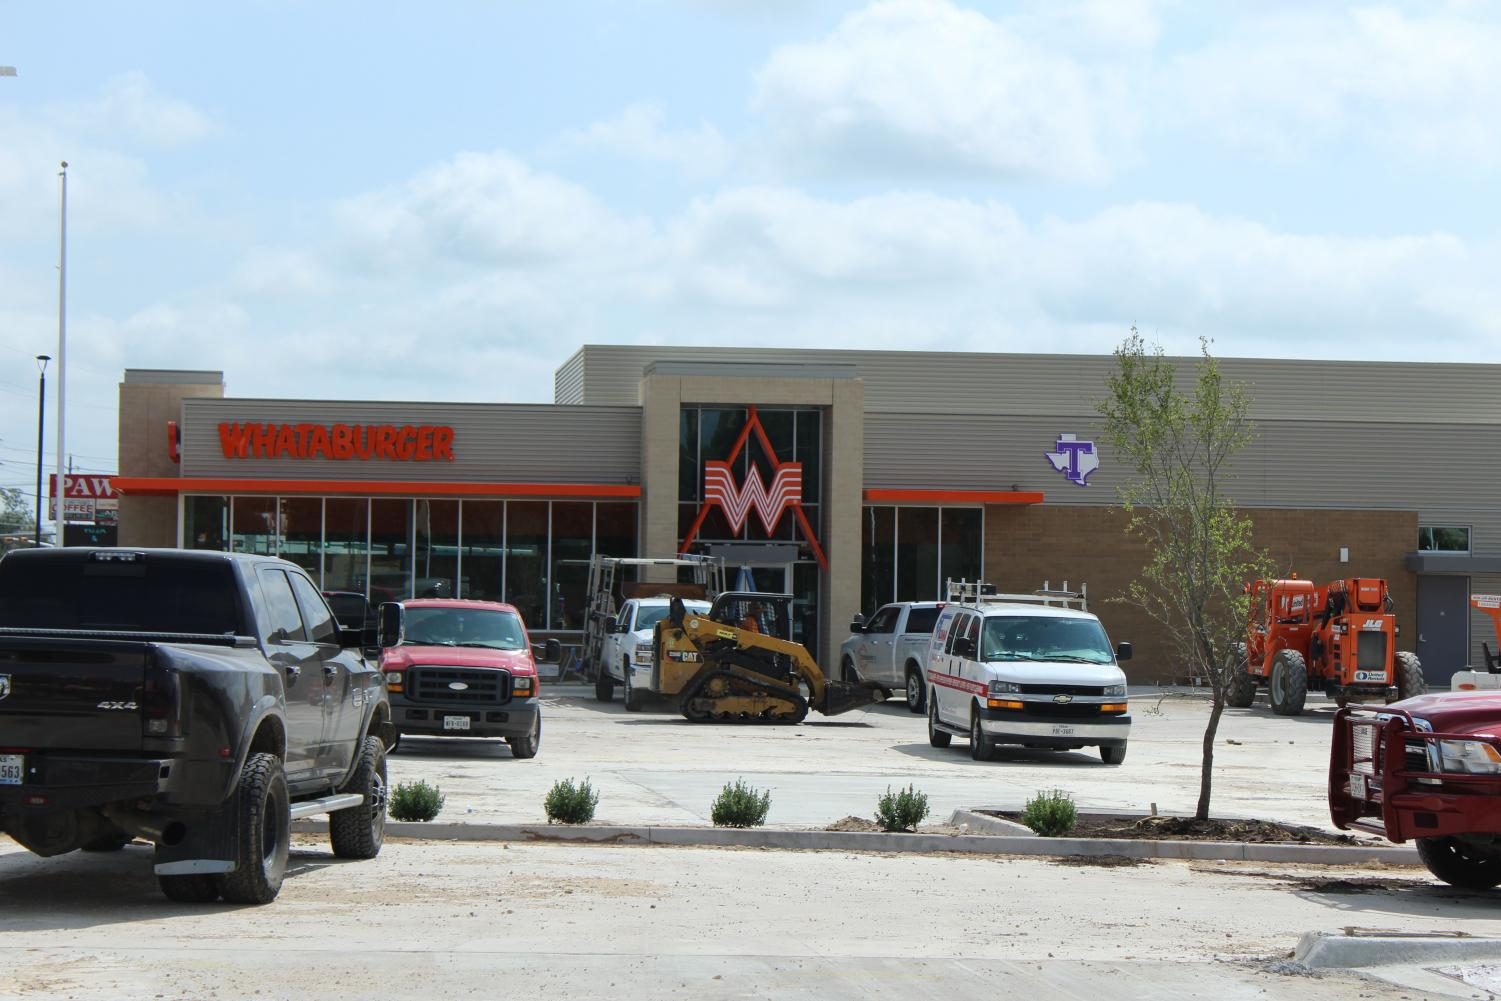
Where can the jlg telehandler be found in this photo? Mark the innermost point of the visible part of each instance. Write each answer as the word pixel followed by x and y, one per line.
pixel 1340 638
pixel 738 664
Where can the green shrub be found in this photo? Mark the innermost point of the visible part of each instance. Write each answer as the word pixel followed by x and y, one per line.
pixel 415 801
pixel 568 803
pixel 740 805
pixel 902 810
pixel 1051 813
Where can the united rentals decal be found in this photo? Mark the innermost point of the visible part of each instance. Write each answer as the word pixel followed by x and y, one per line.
pixel 770 503
pixel 407 443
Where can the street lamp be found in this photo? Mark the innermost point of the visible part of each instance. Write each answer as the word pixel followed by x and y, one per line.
pixel 41 401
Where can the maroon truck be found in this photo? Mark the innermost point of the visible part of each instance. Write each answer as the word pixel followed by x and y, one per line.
pixel 1426 769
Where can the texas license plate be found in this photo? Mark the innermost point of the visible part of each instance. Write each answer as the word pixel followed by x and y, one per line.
pixel 1357 786
pixel 1059 730
pixel 11 767
pixel 455 722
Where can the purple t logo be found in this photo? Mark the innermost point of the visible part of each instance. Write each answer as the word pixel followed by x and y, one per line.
pixel 1075 459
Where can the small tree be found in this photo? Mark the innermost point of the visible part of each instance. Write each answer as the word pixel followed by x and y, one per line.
pixel 1179 446
pixel 16 516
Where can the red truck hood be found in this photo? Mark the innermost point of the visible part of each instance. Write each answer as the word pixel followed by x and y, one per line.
pixel 515 661
pixel 1457 712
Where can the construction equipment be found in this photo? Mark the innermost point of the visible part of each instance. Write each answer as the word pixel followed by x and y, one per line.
pixel 607 588
pixel 1339 638
pixel 1470 680
pixel 739 664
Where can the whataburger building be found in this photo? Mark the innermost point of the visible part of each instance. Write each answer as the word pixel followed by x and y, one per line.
pixel 847 478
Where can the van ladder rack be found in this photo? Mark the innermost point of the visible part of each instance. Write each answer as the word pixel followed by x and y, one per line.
pixel 975 594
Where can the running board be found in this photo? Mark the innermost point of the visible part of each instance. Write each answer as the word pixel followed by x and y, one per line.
pixel 956 731
pixel 328 804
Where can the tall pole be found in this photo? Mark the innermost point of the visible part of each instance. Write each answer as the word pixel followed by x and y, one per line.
pixel 60 490
pixel 41 416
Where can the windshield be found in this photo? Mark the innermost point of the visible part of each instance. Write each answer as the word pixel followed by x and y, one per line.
pixel 648 616
pixel 478 627
pixel 1036 637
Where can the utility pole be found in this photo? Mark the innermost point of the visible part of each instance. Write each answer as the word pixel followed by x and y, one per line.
pixel 61 489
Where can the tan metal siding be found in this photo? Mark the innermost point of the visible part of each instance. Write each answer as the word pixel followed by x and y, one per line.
pixel 493 443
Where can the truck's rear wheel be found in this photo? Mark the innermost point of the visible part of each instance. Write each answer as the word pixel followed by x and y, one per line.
pixel 526 747
pixel 262 843
pixel 1241 692
pixel 917 694
pixel 1289 684
pixel 1462 862
pixel 359 831
pixel 198 888
pixel 1410 680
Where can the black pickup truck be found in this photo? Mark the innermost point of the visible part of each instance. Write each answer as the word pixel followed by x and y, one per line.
pixel 197 700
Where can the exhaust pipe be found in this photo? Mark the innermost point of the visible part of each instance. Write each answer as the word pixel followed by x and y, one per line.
pixel 147 826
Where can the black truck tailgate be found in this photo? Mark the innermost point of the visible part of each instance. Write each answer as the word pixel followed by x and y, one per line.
pixel 78 694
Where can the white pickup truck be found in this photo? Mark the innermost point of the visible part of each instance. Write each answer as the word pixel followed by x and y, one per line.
pixel 891 647
pixel 625 654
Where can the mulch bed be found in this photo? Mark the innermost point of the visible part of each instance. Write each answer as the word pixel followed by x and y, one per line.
pixel 1189 829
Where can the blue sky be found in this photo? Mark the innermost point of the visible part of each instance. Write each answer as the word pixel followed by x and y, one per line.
pixel 443 201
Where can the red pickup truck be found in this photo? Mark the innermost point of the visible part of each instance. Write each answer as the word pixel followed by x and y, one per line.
pixel 1426 769
pixel 459 668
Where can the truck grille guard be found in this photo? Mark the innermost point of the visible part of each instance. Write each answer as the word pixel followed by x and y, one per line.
pixel 1386 776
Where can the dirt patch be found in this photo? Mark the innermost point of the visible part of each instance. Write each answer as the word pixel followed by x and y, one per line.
pixel 1189 829
pixel 1329 884
pixel 1103 861
pixel 854 824
pixel 864 826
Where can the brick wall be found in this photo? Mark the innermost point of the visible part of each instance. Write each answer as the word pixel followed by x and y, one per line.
pixel 1026 545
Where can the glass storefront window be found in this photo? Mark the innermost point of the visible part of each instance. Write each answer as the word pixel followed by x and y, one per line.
pixel 483 550
pixel 877 558
pixel 917 554
pixel 526 560
pixel 572 542
pixel 962 550
pixel 615 529
pixel 346 543
pixel 437 549
pixel 907 553
pixel 253 525
pixel 205 523
pixel 301 533
pixel 390 550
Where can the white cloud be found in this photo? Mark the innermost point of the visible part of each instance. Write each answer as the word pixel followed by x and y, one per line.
pixel 1417 86
pixel 131 110
pixel 639 132
pixel 906 85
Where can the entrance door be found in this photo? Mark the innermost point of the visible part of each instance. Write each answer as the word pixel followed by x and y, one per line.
pixel 1443 626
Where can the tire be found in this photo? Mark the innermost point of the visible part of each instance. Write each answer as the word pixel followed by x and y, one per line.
pixel 1288 686
pixel 936 737
pixel 526 747
pixel 981 747
pixel 1460 862
pixel 632 696
pixel 917 692
pixel 112 842
pixel 1409 671
pixel 194 889
pixel 263 842
pixel 359 831
pixel 604 686
pixel 847 672
pixel 1113 755
pixel 1241 692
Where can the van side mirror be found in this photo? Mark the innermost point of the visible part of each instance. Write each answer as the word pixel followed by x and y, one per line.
pixel 392 625
pixel 1123 651
pixel 964 647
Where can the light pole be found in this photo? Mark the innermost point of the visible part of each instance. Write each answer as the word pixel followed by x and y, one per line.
pixel 41 403
pixel 62 345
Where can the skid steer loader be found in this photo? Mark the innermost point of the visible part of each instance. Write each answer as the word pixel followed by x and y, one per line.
pixel 738 664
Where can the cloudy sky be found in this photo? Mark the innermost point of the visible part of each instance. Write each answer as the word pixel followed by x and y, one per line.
pixel 444 200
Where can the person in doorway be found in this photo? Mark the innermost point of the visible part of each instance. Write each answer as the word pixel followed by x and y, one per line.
pixel 752 621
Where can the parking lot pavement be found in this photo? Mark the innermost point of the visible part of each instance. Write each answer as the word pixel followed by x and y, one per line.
pixel 485 920
pixel 654 767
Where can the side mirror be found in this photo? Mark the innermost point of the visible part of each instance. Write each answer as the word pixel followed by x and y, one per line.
pixel 612 624
pixel 857 624
pixel 392 624
pixel 553 652
pixel 964 647
pixel 1123 651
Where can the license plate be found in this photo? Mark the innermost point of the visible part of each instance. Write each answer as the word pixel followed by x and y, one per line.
pixel 455 722
pixel 1059 730
pixel 1357 786
pixel 11 768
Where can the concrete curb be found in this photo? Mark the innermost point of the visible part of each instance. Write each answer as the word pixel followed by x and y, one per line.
pixel 981 844
pixel 1352 948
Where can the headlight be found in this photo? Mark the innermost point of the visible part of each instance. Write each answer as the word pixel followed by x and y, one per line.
pixel 523 686
pixel 1473 757
pixel 1114 691
pixel 393 677
pixel 643 653
pixel 1005 688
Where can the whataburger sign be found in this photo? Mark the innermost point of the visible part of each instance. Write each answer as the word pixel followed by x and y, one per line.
pixel 770 502
pixel 403 443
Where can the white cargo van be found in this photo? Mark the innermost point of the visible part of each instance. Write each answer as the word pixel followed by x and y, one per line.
pixel 1031 669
